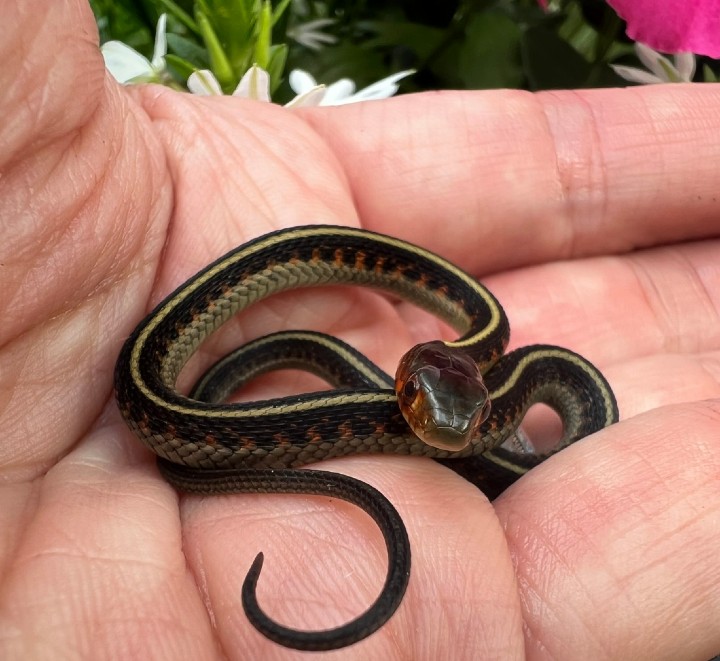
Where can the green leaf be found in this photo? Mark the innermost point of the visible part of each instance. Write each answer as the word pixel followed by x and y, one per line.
pixel 239 13
pixel 490 57
pixel 180 68
pixel 233 22
pixel 344 60
pixel 421 39
pixel 709 75
pixel 261 52
pixel 120 20
pixel 276 65
pixel 576 31
pixel 181 15
pixel 668 69
pixel 551 63
pixel 218 60
pixel 279 11
pixel 188 50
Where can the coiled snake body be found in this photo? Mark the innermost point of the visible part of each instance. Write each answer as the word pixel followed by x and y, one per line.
pixel 452 401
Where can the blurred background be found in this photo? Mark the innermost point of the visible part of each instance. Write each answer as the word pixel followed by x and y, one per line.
pixel 480 44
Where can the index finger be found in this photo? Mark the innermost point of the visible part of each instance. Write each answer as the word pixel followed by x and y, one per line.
pixel 499 179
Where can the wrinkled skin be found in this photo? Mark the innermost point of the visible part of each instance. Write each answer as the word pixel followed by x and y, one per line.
pixel 593 216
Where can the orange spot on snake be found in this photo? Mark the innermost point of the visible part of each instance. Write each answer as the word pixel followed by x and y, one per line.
pixel 282 439
pixel 360 260
pixel 313 435
pixel 247 443
pixel 345 431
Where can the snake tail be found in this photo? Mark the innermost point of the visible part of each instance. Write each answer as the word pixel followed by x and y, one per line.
pixel 319 483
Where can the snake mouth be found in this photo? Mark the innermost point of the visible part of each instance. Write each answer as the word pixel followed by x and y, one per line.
pixel 450 430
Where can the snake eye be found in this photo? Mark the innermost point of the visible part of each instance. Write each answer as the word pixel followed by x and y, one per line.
pixel 410 389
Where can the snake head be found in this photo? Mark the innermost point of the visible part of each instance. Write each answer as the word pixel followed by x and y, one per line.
pixel 442 395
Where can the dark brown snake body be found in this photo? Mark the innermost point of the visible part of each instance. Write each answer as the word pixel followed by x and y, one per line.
pixel 207 446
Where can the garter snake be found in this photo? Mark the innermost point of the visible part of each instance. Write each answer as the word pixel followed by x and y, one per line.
pixel 207 446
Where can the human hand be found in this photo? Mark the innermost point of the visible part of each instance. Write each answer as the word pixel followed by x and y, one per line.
pixel 112 196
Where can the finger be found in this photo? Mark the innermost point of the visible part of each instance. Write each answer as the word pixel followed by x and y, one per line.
pixel 51 77
pixel 96 563
pixel 651 302
pixel 82 206
pixel 240 169
pixel 615 541
pixel 503 178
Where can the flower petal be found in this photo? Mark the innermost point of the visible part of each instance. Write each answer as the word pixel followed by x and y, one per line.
pixel 685 65
pixel 313 97
pixel 635 75
pixel 311 34
pixel 301 81
pixel 160 50
pixel 339 92
pixel 203 83
pixel 652 60
pixel 255 84
pixel 317 24
pixel 125 63
pixel 382 89
pixel 673 26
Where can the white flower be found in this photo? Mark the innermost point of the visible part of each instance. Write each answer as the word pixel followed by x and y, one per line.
pixel 127 65
pixel 343 90
pixel 662 70
pixel 255 84
pixel 203 83
pixel 311 34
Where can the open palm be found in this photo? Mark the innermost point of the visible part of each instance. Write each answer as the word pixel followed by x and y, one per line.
pixel 110 197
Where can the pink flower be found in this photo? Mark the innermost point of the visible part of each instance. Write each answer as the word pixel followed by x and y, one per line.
pixel 673 26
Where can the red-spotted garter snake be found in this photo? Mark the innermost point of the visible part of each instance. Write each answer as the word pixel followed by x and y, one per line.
pixel 206 446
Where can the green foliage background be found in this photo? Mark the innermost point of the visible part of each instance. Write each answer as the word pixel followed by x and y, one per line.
pixel 476 44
